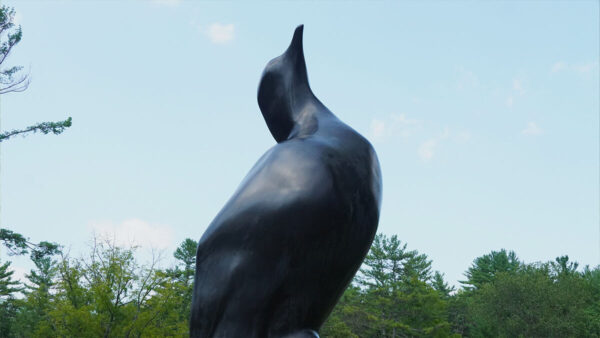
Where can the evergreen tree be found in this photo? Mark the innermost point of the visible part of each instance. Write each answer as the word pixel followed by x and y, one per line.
pixel 389 263
pixel 8 286
pixel 186 258
pixel 441 286
pixel 562 267
pixel 32 319
pixel 592 281
pixel 485 268
pixel 394 299
pixel 184 274
pixel 8 304
pixel 351 317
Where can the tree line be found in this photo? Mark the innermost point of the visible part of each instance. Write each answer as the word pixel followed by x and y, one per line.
pixel 109 293
pixel 106 293
pixel 396 294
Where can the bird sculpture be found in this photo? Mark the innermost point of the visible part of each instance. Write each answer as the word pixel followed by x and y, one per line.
pixel 278 256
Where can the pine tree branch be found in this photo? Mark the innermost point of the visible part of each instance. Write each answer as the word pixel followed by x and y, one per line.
pixel 44 127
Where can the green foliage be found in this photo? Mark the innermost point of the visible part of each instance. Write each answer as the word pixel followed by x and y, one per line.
pixel 388 264
pixel 18 244
pixel 14 310
pixel 441 286
pixel 506 298
pixel 8 286
pixel 186 253
pixel 485 268
pixel 530 303
pixel 391 297
pixel 395 295
pixel 8 304
pixel 183 276
pixel 352 316
pixel 44 128
pixel 592 312
pixel 109 293
pixel 14 242
pixel 8 314
pixel 562 267
pixel 11 79
pixel 458 313
pixel 34 309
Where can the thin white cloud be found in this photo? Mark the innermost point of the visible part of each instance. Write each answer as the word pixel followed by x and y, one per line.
pixel 399 125
pixel 220 33
pixel 510 101
pixel 532 129
pixel 135 232
pixel 516 91
pixel 402 119
pixel 403 126
pixel 585 68
pixel 518 87
pixel 377 130
pixel 445 134
pixel 557 67
pixel 463 137
pixel 581 68
pixel 392 125
pixel 427 149
pixel 466 79
pixel 169 3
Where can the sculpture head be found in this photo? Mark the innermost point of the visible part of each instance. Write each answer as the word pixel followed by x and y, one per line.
pixel 283 88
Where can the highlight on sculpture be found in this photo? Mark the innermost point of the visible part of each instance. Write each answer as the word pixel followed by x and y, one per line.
pixel 278 256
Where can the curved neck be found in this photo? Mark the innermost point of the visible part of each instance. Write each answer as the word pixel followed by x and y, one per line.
pixel 286 101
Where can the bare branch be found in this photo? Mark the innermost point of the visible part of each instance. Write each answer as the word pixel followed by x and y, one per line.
pixel 16 86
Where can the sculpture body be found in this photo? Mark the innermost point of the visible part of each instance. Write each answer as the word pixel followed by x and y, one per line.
pixel 278 256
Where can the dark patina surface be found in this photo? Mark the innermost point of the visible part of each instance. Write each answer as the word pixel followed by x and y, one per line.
pixel 278 256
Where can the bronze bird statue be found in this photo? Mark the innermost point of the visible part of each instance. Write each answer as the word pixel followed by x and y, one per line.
pixel 278 256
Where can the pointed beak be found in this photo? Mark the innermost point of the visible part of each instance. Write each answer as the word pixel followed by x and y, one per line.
pixel 295 47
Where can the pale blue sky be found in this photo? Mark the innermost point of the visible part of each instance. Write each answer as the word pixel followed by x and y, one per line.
pixel 485 117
